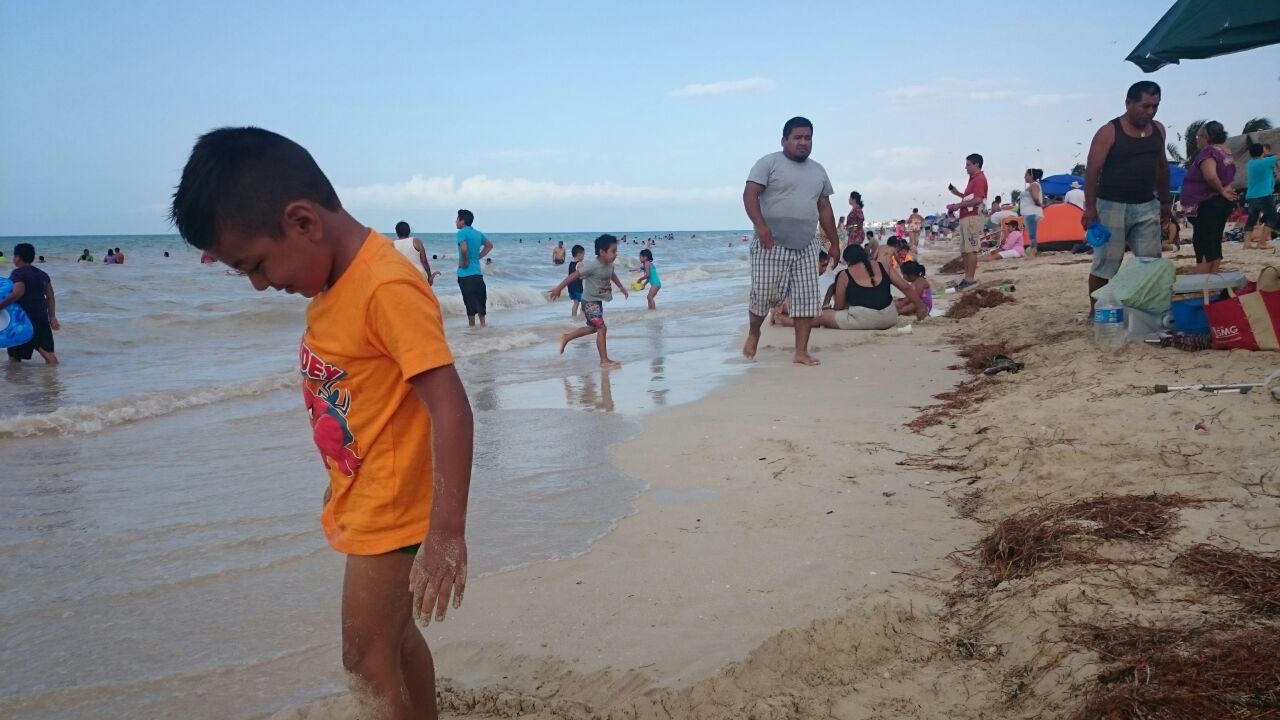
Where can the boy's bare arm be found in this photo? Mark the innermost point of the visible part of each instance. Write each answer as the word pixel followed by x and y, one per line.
pixel 53 306
pixel 621 287
pixel 19 289
pixel 555 293
pixel 440 570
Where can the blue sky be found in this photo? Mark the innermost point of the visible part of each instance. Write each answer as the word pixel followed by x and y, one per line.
pixel 543 116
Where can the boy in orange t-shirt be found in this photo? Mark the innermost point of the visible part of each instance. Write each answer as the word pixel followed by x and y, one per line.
pixel 378 384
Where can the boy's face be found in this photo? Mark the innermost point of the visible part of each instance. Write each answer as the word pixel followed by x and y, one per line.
pixel 610 254
pixel 297 262
pixel 579 255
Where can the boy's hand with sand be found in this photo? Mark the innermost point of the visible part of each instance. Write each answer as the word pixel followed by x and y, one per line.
pixel 439 570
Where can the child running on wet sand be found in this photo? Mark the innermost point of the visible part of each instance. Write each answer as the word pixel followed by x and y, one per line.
pixel 649 276
pixel 597 278
pixel 387 409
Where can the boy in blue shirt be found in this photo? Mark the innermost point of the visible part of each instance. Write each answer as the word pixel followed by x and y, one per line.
pixel 472 247
pixel 1260 197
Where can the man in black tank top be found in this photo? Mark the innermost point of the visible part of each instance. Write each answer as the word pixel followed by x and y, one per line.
pixel 1127 184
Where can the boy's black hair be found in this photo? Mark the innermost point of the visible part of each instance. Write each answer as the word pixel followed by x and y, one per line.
pixel 117 250
pixel 647 254
pixel 576 249
pixel 975 158
pixel 604 242
pixel 26 252
pixel 402 230
pixel 795 122
pixel 911 267
pixel 894 242
pixel 915 210
pixel 242 178
pixel 1140 88
pixel 467 217
pixel 823 257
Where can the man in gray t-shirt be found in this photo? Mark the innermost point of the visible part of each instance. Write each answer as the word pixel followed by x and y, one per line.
pixel 787 195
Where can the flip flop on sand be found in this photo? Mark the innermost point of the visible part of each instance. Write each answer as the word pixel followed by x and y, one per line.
pixel 1001 363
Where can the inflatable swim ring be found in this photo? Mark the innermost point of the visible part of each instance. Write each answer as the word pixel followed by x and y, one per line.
pixel 637 285
pixel 15 326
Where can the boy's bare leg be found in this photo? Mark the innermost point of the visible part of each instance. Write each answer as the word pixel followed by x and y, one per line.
pixel 569 337
pixel 376 649
pixel 482 321
pixel 574 312
pixel 471 320
pixel 602 347
pixel 419 671
pixel 49 358
pixel 802 356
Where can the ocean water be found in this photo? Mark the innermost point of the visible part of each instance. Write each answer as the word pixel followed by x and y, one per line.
pixel 159 540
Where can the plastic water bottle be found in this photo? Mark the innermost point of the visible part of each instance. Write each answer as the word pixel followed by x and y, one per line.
pixel 1108 322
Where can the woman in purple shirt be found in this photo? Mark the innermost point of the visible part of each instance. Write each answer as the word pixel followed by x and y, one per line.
pixel 1207 195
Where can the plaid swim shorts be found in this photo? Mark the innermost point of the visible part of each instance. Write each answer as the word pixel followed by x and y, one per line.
pixel 779 273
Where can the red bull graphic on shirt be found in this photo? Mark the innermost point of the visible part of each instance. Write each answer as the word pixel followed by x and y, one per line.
pixel 327 407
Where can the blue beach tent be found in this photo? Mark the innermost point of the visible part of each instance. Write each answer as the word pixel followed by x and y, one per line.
pixel 1177 174
pixel 1059 184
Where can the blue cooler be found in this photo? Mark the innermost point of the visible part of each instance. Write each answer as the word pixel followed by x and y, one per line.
pixel 1189 317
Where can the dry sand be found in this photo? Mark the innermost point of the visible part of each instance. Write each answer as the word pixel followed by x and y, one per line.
pixel 793 556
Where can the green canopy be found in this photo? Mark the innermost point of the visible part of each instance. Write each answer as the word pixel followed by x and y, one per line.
pixel 1197 29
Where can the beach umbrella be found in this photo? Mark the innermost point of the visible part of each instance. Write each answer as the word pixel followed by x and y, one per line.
pixel 1198 29
pixel 1059 184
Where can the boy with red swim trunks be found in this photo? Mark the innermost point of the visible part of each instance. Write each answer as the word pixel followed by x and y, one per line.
pixel 379 388
pixel 597 279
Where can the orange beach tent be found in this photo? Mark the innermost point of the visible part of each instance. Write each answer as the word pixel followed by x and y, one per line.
pixel 1060 228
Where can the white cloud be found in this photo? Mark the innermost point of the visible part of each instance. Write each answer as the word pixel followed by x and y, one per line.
pixel 725 87
pixel 484 191
pixel 1041 100
pixel 902 156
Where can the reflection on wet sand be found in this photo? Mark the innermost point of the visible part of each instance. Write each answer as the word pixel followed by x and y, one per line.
pixel 584 392
pixel 669 379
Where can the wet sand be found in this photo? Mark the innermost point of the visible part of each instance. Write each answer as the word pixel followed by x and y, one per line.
pixel 783 564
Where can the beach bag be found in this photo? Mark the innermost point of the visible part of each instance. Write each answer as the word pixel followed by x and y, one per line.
pixel 1145 284
pixel 1249 321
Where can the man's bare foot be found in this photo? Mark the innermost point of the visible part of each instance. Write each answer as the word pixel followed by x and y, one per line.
pixel 610 364
pixel 749 347
pixel 564 340
pixel 805 359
